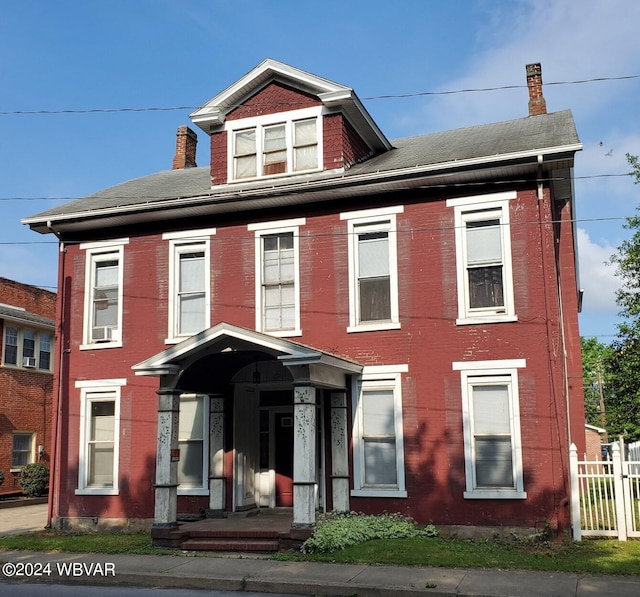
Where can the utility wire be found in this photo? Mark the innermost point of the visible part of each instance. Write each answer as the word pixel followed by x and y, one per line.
pixel 436 186
pixel 369 98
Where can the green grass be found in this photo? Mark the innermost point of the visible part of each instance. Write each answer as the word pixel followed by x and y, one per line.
pixel 589 557
pixel 592 557
pixel 53 541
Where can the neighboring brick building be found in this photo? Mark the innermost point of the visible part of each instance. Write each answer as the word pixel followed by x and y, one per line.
pixel 324 319
pixel 27 318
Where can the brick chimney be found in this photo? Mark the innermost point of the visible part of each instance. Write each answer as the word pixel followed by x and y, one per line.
pixel 186 141
pixel 537 105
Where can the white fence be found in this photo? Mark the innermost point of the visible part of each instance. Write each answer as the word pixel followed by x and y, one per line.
pixel 605 495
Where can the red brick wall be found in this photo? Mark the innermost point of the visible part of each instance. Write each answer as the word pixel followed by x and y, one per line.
pixel 25 395
pixel 428 342
pixel 31 298
pixel 275 97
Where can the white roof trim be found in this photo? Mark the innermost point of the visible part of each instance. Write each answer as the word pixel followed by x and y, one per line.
pixel 169 360
pixel 215 110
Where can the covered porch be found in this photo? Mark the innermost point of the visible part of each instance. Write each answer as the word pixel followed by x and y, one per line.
pixel 265 446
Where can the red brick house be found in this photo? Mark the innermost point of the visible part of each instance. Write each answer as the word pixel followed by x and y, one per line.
pixel 27 324
pixel 323 319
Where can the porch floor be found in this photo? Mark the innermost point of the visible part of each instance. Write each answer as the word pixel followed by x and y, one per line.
pixel 263 530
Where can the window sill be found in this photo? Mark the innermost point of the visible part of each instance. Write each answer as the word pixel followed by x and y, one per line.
pixel 283 333
pixel 496 494
pixel 374 327
pixel 101 345
pixel 97 491
pixel 383 493
pixel 193 491
pixel 475 320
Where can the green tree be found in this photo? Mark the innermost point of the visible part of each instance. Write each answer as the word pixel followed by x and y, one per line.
pixel 623 364
pixel 595 376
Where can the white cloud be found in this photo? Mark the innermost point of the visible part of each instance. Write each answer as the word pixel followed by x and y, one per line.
pixel 573 41
pixel 597 279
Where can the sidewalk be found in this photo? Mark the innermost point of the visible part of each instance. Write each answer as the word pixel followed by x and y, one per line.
pixel 22 519
pixel 301 578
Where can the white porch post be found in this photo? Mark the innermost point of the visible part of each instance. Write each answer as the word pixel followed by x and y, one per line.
pixel 167 456
pixel 304 456
pixel 339 452
pixel 216 455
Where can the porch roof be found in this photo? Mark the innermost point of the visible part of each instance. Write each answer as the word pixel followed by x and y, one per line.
pixel 228 338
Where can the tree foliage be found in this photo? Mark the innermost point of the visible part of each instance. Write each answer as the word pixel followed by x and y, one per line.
pixel 623 363
pixel 596 380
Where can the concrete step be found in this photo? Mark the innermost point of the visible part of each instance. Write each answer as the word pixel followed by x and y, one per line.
pixel 231 544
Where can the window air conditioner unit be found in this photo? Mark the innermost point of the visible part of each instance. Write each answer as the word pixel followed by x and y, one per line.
pixel 29 362
pixel 103 334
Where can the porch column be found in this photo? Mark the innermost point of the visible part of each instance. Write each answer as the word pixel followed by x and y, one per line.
pixel 304 456
pixel 167 457
pixel 216 455
pixel 339 452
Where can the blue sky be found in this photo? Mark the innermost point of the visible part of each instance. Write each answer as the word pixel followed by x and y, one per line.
pixel 137 54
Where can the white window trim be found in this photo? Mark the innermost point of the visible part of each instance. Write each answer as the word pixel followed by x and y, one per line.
pixel 177 241
pixel 277 227
pixel 491 369
pixel 92 251
pixel 20 348
pixel 259 122
pixel 204 490
pixel 392 375
pixel 104 388
pixel 467 208
pixel 32 449
pixel 386 217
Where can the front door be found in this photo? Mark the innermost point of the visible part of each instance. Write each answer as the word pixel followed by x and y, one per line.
pixel 283 458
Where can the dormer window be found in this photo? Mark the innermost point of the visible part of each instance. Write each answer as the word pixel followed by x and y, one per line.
pixel 273 146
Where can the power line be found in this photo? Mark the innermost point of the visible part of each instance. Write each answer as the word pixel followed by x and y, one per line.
pixel 435 186
pixel 369 98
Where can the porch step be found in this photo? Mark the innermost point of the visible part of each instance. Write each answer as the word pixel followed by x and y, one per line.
pixel 240 544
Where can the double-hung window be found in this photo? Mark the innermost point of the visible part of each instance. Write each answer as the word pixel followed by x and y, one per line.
pixel 378 435
pixel 99 436
pixel 189 282
pixel 277 277
pixel 103 294
pixel 22 451
pixel 275 144
pixel 491 427
pixel 192 439
pixel 483 256
pixel 373 269
pixel 27 348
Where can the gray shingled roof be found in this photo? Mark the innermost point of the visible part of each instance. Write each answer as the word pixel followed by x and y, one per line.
pixel 12 314
pixel 548 133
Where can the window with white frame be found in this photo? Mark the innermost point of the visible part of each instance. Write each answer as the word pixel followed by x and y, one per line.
pixel 189 282
pixel 193 475
pixel 277 277
pixel 491 427
pixel 103 294
pixel 373 269
pixel 99 436
pixel 27 348
pixel 22 451
pixel 378 436
pixel 275 144
pixel 483 255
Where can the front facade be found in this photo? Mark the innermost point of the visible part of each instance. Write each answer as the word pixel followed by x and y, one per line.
pixel 323 319
pixel 27 326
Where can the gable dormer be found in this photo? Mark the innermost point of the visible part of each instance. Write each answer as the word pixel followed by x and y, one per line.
pixel 280 121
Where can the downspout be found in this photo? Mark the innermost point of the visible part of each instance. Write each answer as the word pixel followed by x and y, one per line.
pixel 54 481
